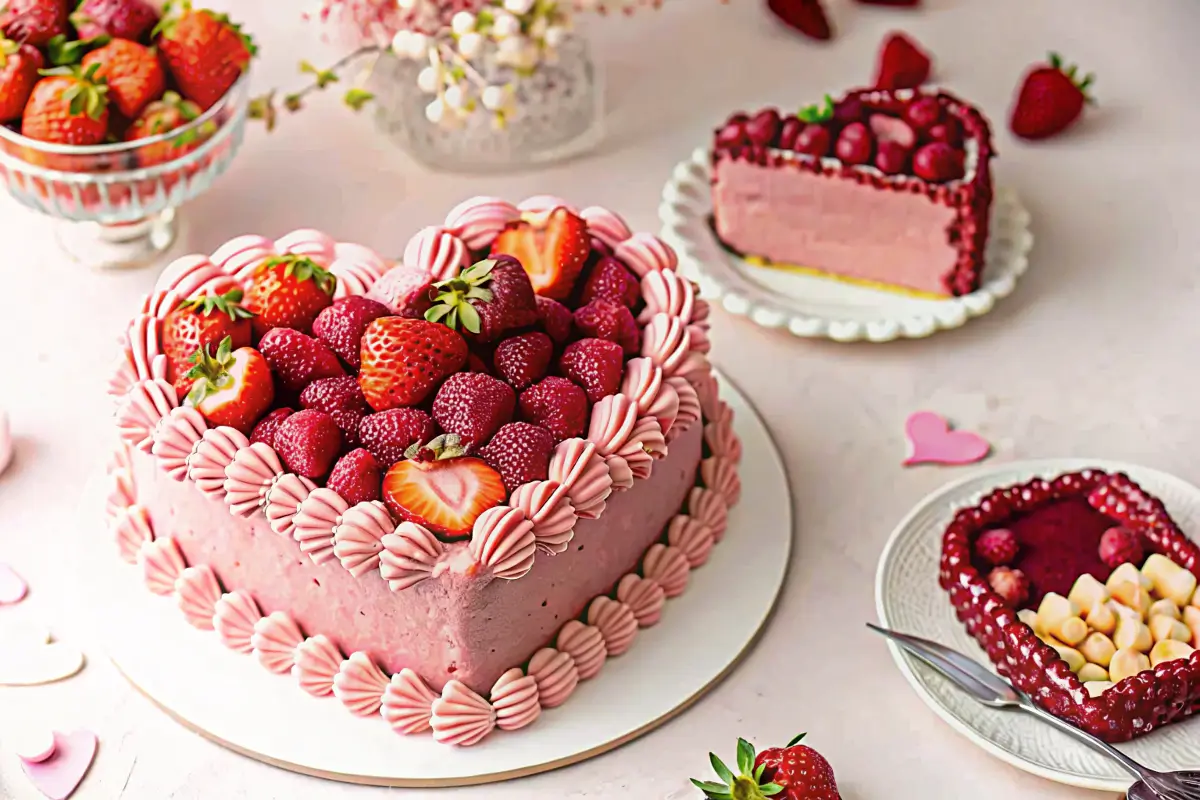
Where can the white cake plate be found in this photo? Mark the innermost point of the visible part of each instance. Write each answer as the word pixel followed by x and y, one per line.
pixel 815 307
pixel 908 599
pixel 228 698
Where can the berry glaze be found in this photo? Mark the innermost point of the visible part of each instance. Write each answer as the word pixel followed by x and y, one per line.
pixel 595 529
pixel 1065 517
pixel 933 150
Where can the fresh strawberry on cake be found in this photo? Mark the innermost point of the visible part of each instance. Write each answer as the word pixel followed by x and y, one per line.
pixel 337 462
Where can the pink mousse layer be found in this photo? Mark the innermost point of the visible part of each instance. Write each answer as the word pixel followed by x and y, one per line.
pixel 793 216
pixel 452 626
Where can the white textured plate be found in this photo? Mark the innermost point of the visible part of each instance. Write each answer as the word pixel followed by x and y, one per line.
pixel 812 306
pixel 229 698
pixel 909 599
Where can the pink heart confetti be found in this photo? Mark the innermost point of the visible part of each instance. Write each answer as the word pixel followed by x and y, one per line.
pixel 12 586
pixel 59 775
pixel 932 442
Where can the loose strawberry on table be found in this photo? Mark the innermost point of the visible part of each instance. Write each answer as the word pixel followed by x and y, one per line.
pixel 1050 100
pixel 552 246
pixel 230 387
pixel 388 434
pixel 120 19
pixel 795 772
pixel 404 360
pixel 195 324
pixel 486 300
pixel 308 442
pixel 902 64
pixel 134 75
pixel 557 405
pixel 297 359
pixel 205 52
pixel 33 22
pixel 163 116
pixel 806 16
pixel 289 292
pixel 473 406
pixel 440 489
pixel 19 65
pixel 342 325
pixel 68 106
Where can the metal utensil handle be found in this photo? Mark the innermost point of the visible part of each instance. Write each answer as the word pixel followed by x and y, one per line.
pixel 1083 737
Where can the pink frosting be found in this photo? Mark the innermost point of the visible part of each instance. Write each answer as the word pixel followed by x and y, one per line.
pixel 639 462
pixel 605 225
pixel 157 304
pixel 240 257
pixel 708 392
pixel 541 203
pixel 197 593
pixel 665 409
pixel 668 567
pixel 145 404
pixel 722 441
pixel 545 505
pixel 612 422
pixel 317 662
pixel 315 521
pixel 555 674
pixel 353 251
pixel 698 337
pixel 689 405
pixel 283 499
pixel 235 618
pixel 438 252
pixel 585 644
pixel 357 539
pixel 180 270
pixel 620 472
pixel 119 458
pixel 502 540
pixel 647 437
pixel 515 698
pixel 275 639
pixel 479 220
pixel 188 277
pixel 583 473
pixel 131 528
pixel 249 478
pixel 317 245
pixel 121 491
pixel 720 475
pixel 645 253
pixel 409 556
pixel 642 381
pixel 408 703
pixel 644 597
pixel 214 452
pixel 665 341
pixel 693 538
pixel 667 292
pixel 175 438
pixel 144 345
pixel 696 369
pixel 616 623
pixel 355 275
pixel 360 685
pixel 711 509
pixel 162 564
pixel 461 717
pixel 123 375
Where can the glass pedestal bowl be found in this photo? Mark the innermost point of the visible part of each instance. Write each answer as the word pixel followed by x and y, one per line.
pixel 115 205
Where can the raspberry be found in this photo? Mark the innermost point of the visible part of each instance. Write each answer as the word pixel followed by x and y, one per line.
pixel 356 477
pixel 594 364
pixel 556 319
pixel 604 319
pixel 298 359
pixel 1120 546
pixel 264 431
pixel 308 441
pixel 520 452
pixel 340 398
pixel 937 162
pixel 997 546
pixel 557 405
pixel 474 406
pixel 406 291
pixel 609 280
pixel 523 360
pixel 1010 584
pixel 341 326
pixel 389 433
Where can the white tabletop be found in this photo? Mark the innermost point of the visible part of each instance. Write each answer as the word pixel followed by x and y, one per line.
pixel 1095 354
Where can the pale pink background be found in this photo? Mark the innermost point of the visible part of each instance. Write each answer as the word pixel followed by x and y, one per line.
pixel 1095 353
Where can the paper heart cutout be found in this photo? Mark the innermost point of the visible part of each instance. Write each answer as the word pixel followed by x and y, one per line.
pixel 12 586
pixel 6 443
pixel 58 776
pixel 30 658
pixel 932 442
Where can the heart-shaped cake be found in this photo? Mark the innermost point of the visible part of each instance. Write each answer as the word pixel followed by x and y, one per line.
pixel 1082 590
pixel 446 489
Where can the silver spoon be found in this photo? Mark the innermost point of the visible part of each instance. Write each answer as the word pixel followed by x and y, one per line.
pixel 993 691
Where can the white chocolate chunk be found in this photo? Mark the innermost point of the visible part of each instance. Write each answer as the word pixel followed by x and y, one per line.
pixel 1191 618
pixel 1098 649
pixel 1059 617
pixel 1163 628
pixel 1163 608
pixel 1102 618
pixel 1097 688
pixel 1127 663
pixel 1132 634
pixel 1170 581
pixel 1169 650
pixel 1092 672
pixel 1088 591
pixel 1128 573
pixel 1029 617
pixel 1133 596
pixel 1074 658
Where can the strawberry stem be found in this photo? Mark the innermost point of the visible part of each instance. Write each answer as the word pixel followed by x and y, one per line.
pixel 228 304
pixel 303 268
pixel 1071 71
pixel 211 372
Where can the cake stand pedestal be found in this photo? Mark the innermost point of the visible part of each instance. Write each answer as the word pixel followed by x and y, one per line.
pixel 229 698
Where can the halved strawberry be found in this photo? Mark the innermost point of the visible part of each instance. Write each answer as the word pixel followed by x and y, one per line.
pixel 233 387
pixel 440 489
pixel 552 246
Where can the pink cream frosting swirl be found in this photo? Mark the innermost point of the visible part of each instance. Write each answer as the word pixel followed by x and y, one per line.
pixel 644 382
pixel 317 245
pixel 197 592
pixel 123 375
pixel 213 454
pixel 121 491
pixel 668 567
pixel 355 275
pixel 555 674
pixel 666 342
pixel 585 644
pixel 188 277
pixel 542 203
pixel 503 541
pixel 479 220
pixel 689 405
pixel 515 698
pixel 667 292
pixel 317 663
pixel 461 717
pixel 358 537
pixel 719 435
pixel 644 597
pixel 546 505
pixel 175 439
pixel 145 346
pixel 720 475
pixel 162 564
pixel 249 478
pixel 410 555
pixel 131 528
pixel 361 253
pixel 360 685
pixel 616 623
pixel 693 538
pixel 647 437
pixel 605 225
pixel 159 302
pixel 438 252
pixel 315 522
pixel 613 419
pixel 708 392
pixel 274 640
pixel 241 256
pixel 620 471
pixel 645 253
pixel 710 508
pixel 147 402
pixel 583 474
pixel 408 703
pixel 283 500
pixel 234 618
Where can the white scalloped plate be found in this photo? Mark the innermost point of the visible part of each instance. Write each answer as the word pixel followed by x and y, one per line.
pixel 814 307
pixel 908 599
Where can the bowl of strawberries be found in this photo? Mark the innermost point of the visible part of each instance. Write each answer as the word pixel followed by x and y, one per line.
pixel 113 114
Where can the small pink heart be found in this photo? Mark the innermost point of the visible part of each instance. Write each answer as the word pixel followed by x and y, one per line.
pixel 932 442
pixel 12 586
pixel 58 776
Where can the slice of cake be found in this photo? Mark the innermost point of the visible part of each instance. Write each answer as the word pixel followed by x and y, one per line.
pixel 447 489
pixel 890 189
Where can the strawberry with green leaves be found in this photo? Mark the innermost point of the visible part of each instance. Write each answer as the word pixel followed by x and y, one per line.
pixel 289 292
pixel 230 387
pixel 1051 99
pixel 68 106
pixel 163 116
pixel 133 73
pixel 486 300
pixel 19 73
pixel 195 324
pixel 794 772
pixel 205 52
